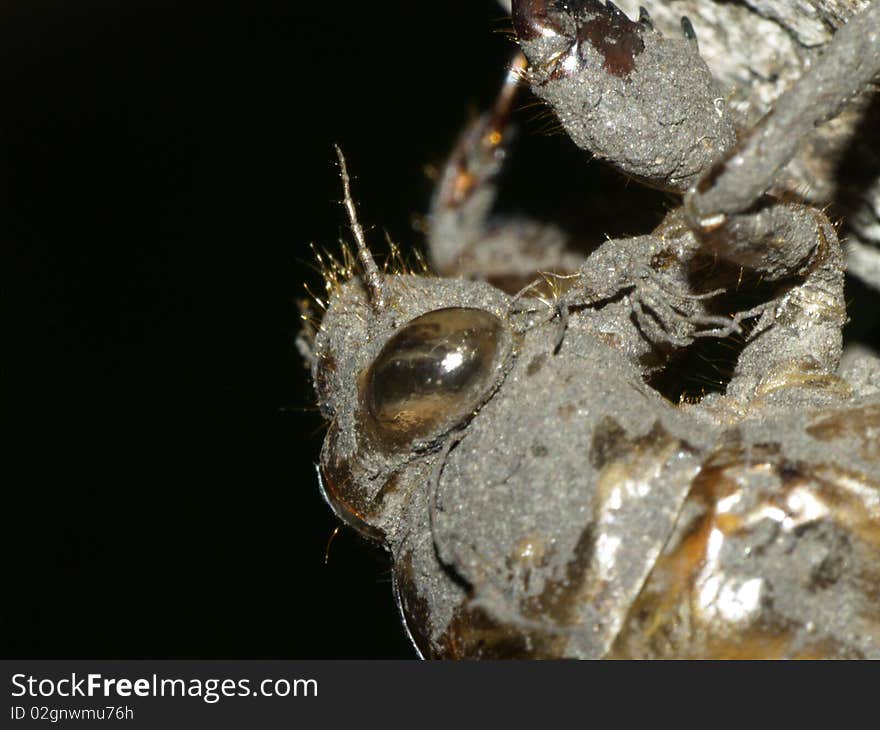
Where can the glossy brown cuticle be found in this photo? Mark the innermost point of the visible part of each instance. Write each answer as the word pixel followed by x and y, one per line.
pixel 433 372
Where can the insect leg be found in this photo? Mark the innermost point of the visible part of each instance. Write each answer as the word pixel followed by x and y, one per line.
pixel 467 187
pixel 656 268
pixel 725 208
pixel 462 238
pixel 733 184
pixel 798 338
pixel 798 342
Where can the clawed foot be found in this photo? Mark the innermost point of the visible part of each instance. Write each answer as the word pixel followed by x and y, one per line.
pixel 663 312
pixel 667 315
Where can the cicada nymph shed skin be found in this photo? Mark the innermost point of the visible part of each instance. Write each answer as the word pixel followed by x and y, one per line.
pixel 503 434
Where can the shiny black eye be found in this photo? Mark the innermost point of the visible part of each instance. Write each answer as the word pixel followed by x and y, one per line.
pixel 434 372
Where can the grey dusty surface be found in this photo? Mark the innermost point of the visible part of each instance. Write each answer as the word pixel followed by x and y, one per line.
pixel 552 501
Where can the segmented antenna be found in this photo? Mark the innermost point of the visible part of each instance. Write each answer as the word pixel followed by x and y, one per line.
pixel 373 279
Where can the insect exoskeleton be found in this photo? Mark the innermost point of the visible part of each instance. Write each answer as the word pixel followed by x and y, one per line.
pixel 396 381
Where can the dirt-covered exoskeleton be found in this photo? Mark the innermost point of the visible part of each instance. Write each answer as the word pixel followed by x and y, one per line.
pixel 502 430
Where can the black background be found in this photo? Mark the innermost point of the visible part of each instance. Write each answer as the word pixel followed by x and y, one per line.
pixel 168 166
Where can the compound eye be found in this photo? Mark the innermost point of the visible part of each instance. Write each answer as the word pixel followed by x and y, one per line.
pixel 434 372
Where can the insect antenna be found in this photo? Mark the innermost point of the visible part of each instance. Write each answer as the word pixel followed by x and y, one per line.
pixel 373 278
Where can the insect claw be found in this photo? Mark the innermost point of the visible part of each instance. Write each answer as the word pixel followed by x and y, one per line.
pixel 645 18
pixel 687 28
pixel 562 313
pixel 704 295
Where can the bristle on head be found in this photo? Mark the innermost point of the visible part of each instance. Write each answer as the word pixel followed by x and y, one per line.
pixel 333 271
pixel 397 263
